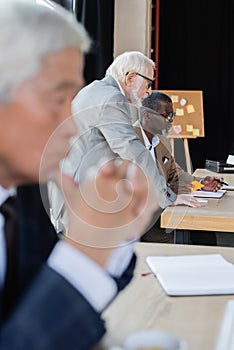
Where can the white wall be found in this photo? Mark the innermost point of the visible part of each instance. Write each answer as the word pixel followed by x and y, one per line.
pixel 132 29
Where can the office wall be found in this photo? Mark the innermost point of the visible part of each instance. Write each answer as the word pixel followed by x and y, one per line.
pixel 132 26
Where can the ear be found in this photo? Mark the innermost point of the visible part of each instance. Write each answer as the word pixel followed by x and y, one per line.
pixel 146 115
pixel 144 118
pixel 129 78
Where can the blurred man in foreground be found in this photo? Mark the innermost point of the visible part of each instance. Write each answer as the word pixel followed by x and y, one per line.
pixel 53 291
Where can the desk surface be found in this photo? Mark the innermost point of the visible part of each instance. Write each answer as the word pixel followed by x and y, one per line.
pixel 143 303
pixel 217 215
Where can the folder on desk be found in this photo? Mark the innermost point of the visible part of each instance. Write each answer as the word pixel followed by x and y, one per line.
pixel 205 274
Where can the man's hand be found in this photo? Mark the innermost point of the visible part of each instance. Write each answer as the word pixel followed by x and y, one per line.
pixel 211 184
pixel 111 208
pixel 187 200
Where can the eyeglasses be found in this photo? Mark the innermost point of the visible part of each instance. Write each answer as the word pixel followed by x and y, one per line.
pixel 150 81
pixel 169 116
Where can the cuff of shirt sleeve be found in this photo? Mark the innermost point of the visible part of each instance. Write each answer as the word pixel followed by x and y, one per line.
pixel 120 259
pixel 93 282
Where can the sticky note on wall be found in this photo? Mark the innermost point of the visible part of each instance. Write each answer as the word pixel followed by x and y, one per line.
pixel 174 98
pixel 189 128
pixel 179 111
pixel 190 109
pixel 196 132
pixel 177 129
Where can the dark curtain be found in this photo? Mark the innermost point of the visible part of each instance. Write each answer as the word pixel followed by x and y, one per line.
pixel 97 16
pixel 196 52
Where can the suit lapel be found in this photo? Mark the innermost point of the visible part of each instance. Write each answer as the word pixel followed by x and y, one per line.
pixel 138 132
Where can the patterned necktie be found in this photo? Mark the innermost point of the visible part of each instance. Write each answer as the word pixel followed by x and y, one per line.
pixel 10 228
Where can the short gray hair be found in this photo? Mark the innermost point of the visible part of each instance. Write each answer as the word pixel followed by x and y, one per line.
pixel 127 62
pixel 29 33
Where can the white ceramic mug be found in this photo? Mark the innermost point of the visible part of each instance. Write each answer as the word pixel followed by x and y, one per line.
pixel 152 339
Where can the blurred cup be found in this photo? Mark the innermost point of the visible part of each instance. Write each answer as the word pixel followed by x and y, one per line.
pixel 152 339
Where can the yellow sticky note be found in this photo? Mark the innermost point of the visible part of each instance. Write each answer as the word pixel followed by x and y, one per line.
pixel 179 111
pixel 196 132
pixel 174 98
pixel 190 109
pixel 196 185
pixel 189 128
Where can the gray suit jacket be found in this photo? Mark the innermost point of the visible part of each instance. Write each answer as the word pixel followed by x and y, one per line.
pixel 103 115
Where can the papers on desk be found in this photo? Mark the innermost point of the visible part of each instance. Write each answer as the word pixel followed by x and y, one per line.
pixel 207 194
pixel 193 274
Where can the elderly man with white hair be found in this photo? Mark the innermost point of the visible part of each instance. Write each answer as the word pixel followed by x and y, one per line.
pixel 103 110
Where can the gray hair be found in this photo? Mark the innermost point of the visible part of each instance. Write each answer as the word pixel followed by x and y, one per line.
pixel 29 33
pixel 129 61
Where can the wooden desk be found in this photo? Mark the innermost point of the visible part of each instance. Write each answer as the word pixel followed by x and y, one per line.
pixel 217 215
pixel 143 304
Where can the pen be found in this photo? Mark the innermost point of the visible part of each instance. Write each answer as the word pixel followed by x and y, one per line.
pixel 221 182
pixel 146 274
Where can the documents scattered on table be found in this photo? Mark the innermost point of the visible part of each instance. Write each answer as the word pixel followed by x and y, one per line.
pixel 204 274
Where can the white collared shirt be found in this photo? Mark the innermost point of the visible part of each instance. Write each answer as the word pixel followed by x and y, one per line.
pixel 120 87
pixel 148 145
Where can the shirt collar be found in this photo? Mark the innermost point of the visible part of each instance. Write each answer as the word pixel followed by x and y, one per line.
pixel 120 87
pixel 5 193
pixel 155 139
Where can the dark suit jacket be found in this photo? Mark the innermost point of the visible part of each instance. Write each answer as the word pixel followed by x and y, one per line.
pixel 47 312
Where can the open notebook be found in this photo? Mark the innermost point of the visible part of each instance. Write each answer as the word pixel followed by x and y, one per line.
pixel 203 274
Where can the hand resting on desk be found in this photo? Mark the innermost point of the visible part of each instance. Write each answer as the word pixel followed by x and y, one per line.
pixel 187 199
pixel 211 184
